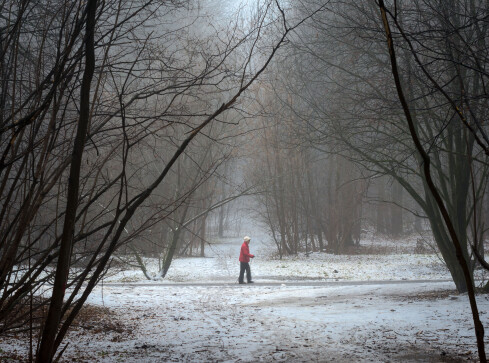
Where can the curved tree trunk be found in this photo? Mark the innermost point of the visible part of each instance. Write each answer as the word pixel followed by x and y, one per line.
pixel 463 262
pixel 47 347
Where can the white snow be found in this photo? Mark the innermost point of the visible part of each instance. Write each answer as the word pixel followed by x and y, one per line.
pixel 221 265
pixel 299 310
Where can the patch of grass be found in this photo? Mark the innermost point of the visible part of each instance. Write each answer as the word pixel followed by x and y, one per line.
pixel 428 295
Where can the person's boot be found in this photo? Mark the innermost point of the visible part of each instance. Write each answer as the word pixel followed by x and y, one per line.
pixel 241 282
pixel 251 282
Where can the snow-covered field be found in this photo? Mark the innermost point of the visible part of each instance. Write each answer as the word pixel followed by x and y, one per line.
pixel 316 308
pixel 221 264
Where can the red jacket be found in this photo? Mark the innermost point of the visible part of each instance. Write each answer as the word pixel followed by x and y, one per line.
pixel 245 254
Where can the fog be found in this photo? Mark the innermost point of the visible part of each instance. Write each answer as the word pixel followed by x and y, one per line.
pixel 136 135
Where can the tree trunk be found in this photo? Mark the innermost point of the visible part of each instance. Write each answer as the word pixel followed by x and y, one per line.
pixel 380 221
pixel 220 230
pixel 47 347
pixel 396 229
pixel 202 236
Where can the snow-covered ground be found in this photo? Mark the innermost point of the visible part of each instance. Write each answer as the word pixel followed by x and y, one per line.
pixel 408 322
pixel 221 264
pixel 316 308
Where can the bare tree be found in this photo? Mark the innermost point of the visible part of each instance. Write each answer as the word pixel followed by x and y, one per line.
pixel 426 164
pixel 345 97
pixel 116 75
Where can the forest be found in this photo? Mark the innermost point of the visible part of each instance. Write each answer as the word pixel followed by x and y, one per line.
pixel 138 133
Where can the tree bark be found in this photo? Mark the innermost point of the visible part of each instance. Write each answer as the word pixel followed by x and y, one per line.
pixel 380 220
pixel 47 347
pixel 396 210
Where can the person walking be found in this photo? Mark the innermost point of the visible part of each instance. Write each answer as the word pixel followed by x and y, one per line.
pixel 244 259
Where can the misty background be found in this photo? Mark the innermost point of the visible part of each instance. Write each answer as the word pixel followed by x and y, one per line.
pixel 199 121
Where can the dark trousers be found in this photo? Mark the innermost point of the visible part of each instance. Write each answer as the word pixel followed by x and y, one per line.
pixel 244 266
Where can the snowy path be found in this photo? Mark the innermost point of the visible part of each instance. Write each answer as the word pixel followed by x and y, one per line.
pixel 344 321
pixel 272 284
